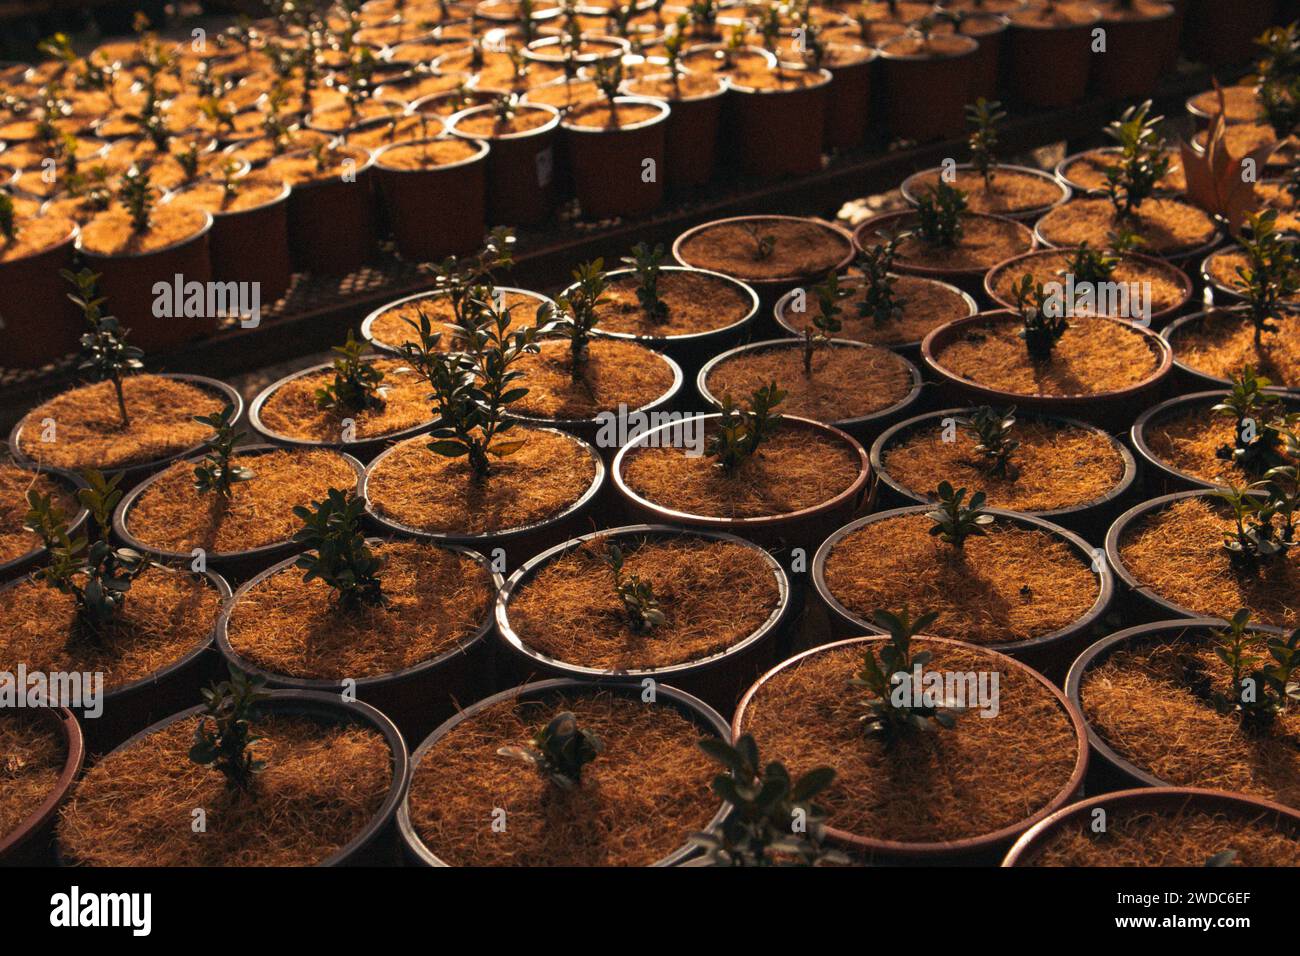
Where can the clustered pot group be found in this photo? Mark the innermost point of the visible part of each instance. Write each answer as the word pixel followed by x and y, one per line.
pixel 298 145
pixel 657 509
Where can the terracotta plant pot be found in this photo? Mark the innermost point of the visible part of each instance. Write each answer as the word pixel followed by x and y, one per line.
pixel 848 106
pixel 928 86
pixel 611 175
pixel 779 130
pixel 704 716
pixel 40 323
pixel 332 221
pixel 1187 378
pixel 1090 519
pixel 718 678
pixel 875 849
pixel 30 843
pixel 521 180
pixel 1050 61
pixel 693 132
pixel 452 196
pixel 1132 64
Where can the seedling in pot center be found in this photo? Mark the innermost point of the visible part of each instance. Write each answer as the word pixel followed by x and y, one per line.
pixel 1271 276
pixel 992 429
pixel 223 736
pixel 673 42
pixel 939 210
pixel 772 821
pixel 96 575
pixel 136 194
pixel 1142 159
pixel 762 246
pixel 559 751
pixel 1041 328
pixel 890 715
pixel 1257 444
pixel 215 473
pixel 645 261
pixel 985 117
pixel 336 550
pixel 609 76
pixel 741 432
pixel 464 278
pixel 357 383
pixel 1254 540
pixel 955 522
pixel 105 356
pixel 879 301
pixel 1090 266
pixel 826 322
pixel 576 313
pixel 1264 670
pixel 640 605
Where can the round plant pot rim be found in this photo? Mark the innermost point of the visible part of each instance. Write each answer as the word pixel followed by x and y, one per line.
pixel 1145 17
pixel 938 849
pixel 940 272
pixel 76 523
pixel 1143 795
pixel 161 250
pixel 1114 558
pixel 867 54
pixel 329 685
pixel 972 45
pixel 529 570
pixel 217 582
pixel 824 77
pixel 1170 332
pixel 758 522
pixel 1098 651
pixel 662 400
pixel 503 534
pixel 684 337
pixel 391 350
pixel 661 105
pixel 551 124
pixel 1055 27
pixel 1174 255
pixel 332 177
pixel 274 437
pixel 310 118
pixel 136 469
pixel 75 756
pixel 236 213
pixel 480 155
pixel 773 281
pixel 714 94
pixel 894 431
pixel 72 238
pixel 312 703
pixel 1162 366
pixel 700 712
pixel 1196 112
pixel 913 393
pixel 1096 191
pixel 1137 434
pixel 1105 577
pixel 971 305
pixel 123 510
pixel 1154 262
pixel 909 194
pixel 535 49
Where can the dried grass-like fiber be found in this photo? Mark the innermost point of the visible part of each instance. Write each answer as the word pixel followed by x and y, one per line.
pixel 981 776
pixel 437 599
pixel 165 616
pixel 925 305
pixel 1093 356
pixel 88 432
pixel 1187 837
pixel 616 372
pixel 1189 441
pixel 31 758
pixel 1223 266
pixel 795 469
pixel 390 325
pixel 696 303
pixel 847 381
pixel 426 491
pixel 802 247
pixel 1166 290
pixel 1138 699
pixel 983 244
pixel 15 541
pixel 638 802
pixel 714 594
pixel 1167 226
pixel 291 409
pixel 1012 191
pixel 1060 466
pixel 979 590
pixel 323 783
pixel 1223 343
pixel 173 515
pixel 1178 553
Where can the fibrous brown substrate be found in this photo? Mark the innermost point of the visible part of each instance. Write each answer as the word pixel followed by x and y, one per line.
pixel 1223 343
pixel 696 303
pixel 925 304
pixel 15 541
pixel 32 754
pixel 614 373
pixel 801 247
pixel 291 410
pixel 1189 441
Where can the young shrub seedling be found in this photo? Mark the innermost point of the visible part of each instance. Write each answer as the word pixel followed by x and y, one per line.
pixel 938 212
pixel 608 78
pixel 1042 329
pixel 826 322
pixel 105 356
pixel 638 597
pixel 559 751
pixel 773 821
pixel 1257 445
pixel 741 432
pixel 1264 670
pixel 984 118
pixel 1271 276
pixel 467 278
pixel 136 194
pixel 1254 539
pixel 888 714
pixel 215 473
pixel 1090 266
pixel 762 246
pixel 879 301
pixel 992 430
pixel 336 550
pixel 576 313
pixel 673 42
pixel 645 261
pixel 955 522
pixel 1142 159
pixel 357 383
pixel 223 737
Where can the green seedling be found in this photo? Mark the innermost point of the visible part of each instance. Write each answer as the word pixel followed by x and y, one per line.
pixel 559 751
pixel 335 550
pixel 955 522
pixel 223 736
pixel 741 432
